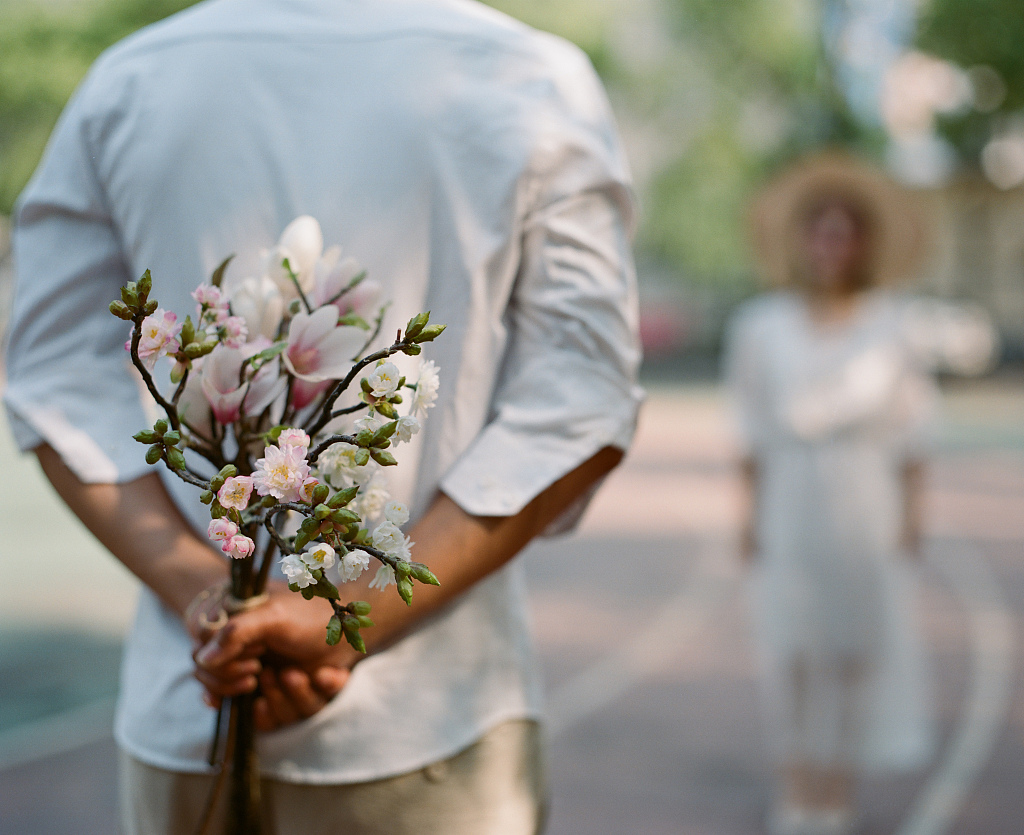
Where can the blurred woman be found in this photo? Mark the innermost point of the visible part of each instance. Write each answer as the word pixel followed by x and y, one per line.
pixel 831 378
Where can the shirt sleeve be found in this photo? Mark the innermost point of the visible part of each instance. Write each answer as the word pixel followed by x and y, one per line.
pixel 568 386
pixel 69 383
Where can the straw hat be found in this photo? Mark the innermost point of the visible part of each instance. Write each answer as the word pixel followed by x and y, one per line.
pixel 897 228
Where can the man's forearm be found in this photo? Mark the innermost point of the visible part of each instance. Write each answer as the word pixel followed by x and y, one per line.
pixel 141 526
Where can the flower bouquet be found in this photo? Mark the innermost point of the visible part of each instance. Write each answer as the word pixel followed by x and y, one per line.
pixel 284 423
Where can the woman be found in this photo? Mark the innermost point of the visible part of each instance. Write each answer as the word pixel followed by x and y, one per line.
pixel 831 378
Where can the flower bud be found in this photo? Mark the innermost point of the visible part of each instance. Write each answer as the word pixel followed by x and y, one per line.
pixel 321 512
pixel 334 630
pixel 364 384
pixel 359 607
pixel 361 457
pixel 228 471
pixel 160 427
pixel 416 324
pixel 403 569
pixel 405 589
pixel 320 493
pixel 430 333
pixel 206 496
pixel 144 285
pixel 309 525
pixel 364 622
pixel 176 458
pixel 411 350
pixel 149 308
pixel 383 457
pixel 343 497
pixel 193 350
pixel 154 453
pixel 120 310
pixel 344 516
pixel 386 409
pixel 424 574
pixel 146 436
pixel 188 331
pixel 172 438
pixel 130 297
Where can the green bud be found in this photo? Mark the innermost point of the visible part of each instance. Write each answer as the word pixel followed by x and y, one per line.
pixel 144 285
pixel 301 540
pixel 416 324
pixel 120 310
pixel 344 516
pixel 365 437
pixel 207 347
pixel 355 641
pixel 177 372
pixel 295 306
pixel 364 622
pixel 268 501
pixel 364 384
pixel 146 436
pixel 206 496
pixel 359 607
pixel 275 433
pixel 321 512
pixel 396 398
pixel 383 457
pixel 411 350
pixel 424 574
pixel 386 409
pixel 343 497
pixel 154 453
pixel 334 630
pixel 176 458
pixel 320 493
pixel 149 308
pixel 403 569
pixel 228 471
pixel 130 297
pixel 307 593
pixel 160 427
pixel 216 511
pixel 405 590
pixel 385 432
pixel 361 457
pixel 193 350
pixel 172 438
pixel 430 333
pixel 188 331
pixel 216 483
pixel 309 525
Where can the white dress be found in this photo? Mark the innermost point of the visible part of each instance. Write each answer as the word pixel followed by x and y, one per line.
pixel 831 416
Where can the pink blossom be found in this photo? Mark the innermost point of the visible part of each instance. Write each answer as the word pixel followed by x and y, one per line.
pixel 293 437
pixel 235 331
pixel 304 393
pixel 220 383
pixel 239 547
pixel 221 530
pixel 318 349
pixel 307 488
pixel 235 492
pixel 159 336
pixel 206 295
pixel 281 473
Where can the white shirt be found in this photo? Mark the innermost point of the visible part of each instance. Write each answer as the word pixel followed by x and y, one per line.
pixel 472 165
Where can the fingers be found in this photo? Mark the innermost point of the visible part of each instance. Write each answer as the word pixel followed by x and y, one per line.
pixel 330 680
pixel 238 639
pixel 290 695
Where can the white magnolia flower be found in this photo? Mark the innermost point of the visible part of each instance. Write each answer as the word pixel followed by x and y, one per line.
pixel 260 303
pixel 426 387
pixel 353 564
pixel 384 577
pixel 296 571
pixel 321 555
pixel 396 512
pixel 301 243
pixel 407 427
pixel 384 379
pixel 389 539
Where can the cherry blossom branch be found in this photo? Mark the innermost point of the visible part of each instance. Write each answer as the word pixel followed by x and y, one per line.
pixel 383 556
pixel 172 412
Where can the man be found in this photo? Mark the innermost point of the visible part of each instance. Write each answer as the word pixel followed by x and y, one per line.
pixel 471 164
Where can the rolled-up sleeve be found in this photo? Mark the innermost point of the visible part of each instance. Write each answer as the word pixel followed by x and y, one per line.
pixel 68 380
pixel 568 386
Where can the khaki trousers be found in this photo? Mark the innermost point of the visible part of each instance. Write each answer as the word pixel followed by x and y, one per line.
pixel 494 787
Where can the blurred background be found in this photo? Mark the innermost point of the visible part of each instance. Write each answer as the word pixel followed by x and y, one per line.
pixel 711 97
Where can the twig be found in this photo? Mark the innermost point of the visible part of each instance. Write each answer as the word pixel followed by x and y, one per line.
pixel 323 446
pixel 172 412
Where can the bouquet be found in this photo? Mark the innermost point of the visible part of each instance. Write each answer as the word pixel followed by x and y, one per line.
pixel 284 423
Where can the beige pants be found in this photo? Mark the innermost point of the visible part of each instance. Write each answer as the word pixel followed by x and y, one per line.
pixel 494 787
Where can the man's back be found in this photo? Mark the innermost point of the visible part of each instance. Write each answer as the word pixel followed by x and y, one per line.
pixel 441 144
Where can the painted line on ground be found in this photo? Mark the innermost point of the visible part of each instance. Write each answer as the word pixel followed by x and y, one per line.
pixel 991 627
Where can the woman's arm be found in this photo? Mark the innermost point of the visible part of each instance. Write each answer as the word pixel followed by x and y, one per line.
pixel 749 510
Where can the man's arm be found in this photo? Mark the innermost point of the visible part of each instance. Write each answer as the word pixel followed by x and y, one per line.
pixel 748 512
pixel 912 477
pixel 460 549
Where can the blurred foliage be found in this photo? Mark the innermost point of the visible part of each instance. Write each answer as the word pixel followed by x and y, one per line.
pixel 973 33
pixel 44 52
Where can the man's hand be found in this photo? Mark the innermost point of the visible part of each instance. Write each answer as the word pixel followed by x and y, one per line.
pixel 460 549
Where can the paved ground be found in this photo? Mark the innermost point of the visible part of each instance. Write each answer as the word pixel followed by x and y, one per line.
pixel 640 620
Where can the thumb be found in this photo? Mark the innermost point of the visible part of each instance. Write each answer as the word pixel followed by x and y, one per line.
pixel 242 635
